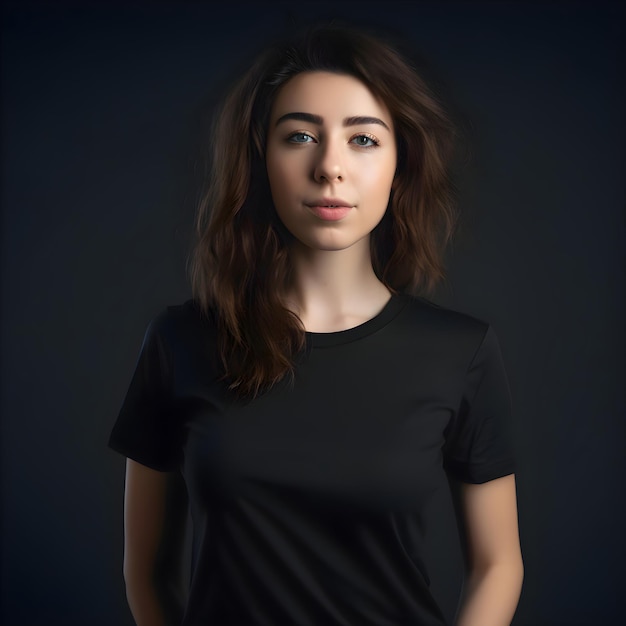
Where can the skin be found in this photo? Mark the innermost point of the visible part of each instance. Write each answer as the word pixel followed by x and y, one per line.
pixel 335 288
pixel 155 514
pixel 488 525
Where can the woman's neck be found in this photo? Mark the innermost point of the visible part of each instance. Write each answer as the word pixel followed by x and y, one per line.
pixel 334 289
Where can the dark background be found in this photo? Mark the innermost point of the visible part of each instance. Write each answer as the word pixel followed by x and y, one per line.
pixel 103 114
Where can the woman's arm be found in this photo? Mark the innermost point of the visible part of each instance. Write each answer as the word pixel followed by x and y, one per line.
pixel 154 515
pixel 487 515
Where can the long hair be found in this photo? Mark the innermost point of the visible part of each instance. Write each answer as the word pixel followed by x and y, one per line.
pixel 240 262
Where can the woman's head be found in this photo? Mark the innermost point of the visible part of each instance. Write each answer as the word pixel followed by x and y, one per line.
pixel 329 143
pixel 246 221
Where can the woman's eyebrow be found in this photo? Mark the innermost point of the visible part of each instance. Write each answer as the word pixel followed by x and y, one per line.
pixel 357 120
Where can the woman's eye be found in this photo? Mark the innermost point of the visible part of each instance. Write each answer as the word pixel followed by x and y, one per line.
pixel 300 138
pixel 364 141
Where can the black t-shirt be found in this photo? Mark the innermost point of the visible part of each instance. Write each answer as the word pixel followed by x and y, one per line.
pixel 306 502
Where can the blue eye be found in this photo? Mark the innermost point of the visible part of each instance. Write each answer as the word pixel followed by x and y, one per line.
pixel 299 138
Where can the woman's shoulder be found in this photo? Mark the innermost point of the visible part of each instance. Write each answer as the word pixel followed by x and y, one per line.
pixel 446 330
pixel 438 316
pixel 190 308
pixel 186 317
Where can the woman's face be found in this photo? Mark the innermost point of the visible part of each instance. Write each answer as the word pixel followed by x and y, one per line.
pixel 330 142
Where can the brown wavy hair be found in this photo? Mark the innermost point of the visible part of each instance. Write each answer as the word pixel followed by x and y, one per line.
pixel 240 262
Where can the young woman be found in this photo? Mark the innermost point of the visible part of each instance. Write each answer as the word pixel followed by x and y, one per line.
pixel 309 397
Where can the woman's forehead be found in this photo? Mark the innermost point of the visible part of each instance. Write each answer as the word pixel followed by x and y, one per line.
pixel 329 95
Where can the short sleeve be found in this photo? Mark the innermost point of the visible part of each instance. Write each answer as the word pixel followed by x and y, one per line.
pixel 478 440
pixel 145 429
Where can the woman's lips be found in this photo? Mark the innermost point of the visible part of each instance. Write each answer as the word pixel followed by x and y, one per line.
pixel 331 214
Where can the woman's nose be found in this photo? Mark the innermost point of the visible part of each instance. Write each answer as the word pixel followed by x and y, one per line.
pixel 328 165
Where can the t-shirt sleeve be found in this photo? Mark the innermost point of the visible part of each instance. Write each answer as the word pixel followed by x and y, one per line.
pixel 479 443
pixel 145 429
